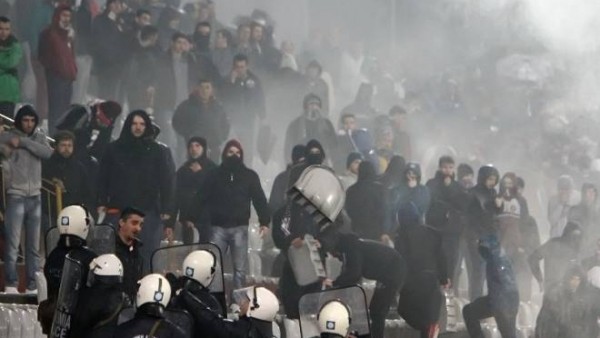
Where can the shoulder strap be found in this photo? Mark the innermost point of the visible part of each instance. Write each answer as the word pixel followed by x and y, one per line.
pixel 111 317
pixel 154 328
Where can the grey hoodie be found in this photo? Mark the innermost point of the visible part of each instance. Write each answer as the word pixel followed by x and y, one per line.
pixel 22 166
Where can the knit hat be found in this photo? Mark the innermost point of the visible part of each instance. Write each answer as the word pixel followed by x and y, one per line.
pixel 353 157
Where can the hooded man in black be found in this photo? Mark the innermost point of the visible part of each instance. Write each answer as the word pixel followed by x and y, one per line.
pixel 570 309
pixel 413 190
pixel 229 191
pixel 557 254
pixel 190 180
pixel 137 171
pixel 311 125
pixel 481 211
pixel 280 184
pixel 421 247
pixel 448 201
pixel 365 204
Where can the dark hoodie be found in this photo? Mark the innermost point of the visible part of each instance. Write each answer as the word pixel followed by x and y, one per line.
pixel 230 189
pixel 482 208
pixel 365 204
pixel 447 204
pixel 189 183
pixel 502 285
pixel 23 174
pixel 419 194
pixel 136 171
pixel 568 312
pixel 56 50
pixel 277 198
pixel 557 254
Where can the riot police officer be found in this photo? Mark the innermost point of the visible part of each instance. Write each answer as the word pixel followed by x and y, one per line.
pixel 334 319
pixel 258 307
pixel 199 269
pixel 73 224
pixel 152 298
pixel 95 318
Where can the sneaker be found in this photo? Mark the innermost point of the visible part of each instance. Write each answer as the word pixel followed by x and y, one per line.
pixel 31 292
pixel 11 290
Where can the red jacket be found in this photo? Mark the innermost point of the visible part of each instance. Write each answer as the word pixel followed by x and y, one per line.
pixel 56 50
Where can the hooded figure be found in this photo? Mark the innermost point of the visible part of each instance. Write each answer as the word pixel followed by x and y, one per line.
pixel 421 247
pixel 138 171
pixel 230 190
pixel 365 204
pixel 278 198
pixel 557 253
pixel 481 213
pixel 502 301
pixel 570 309
pixel 57 55
pixel 190 180
pixel 412 190
pixel 586 214
pixel 311 125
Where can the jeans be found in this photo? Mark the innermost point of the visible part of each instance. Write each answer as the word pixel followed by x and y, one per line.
pixel 22 211
pixel 236 239
pixel 475 268
pixel 481 308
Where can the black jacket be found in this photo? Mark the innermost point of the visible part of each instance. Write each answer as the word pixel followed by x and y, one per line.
pixel 98 310
pixel 166 87
pixel 359 255
pixel 421 247
pixel 74 176
pixel 55 261
pixel 110 43
pixel 278 198
pixel 192 118
pixel 447 204
pixel 365 204
pixel 301 130
pixel 244 99
pixel 133 264
pixel 136 172
pixel 194 295
pixel 229 192
pixel 189 186
pixel 142 73
pixel 143 323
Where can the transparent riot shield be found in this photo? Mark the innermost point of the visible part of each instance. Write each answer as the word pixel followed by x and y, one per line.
pixel 170 259
pixel 51 239
pixel 306 262
pixel 101 239
pixel 71 284
pixel 354 297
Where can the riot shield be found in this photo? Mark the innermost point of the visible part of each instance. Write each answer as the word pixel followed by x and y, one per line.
pixel 354 297
pixel 170 259
pixel 71 284
pixel 101 239
pixel 179 318
pixel 306 262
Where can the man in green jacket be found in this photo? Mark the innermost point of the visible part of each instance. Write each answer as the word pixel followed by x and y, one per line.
pixel 10 57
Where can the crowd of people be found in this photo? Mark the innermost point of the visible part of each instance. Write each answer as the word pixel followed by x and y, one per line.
pixel 209 104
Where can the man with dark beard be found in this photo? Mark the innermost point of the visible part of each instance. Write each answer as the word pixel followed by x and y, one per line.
pixel 229 191
pixel 190 179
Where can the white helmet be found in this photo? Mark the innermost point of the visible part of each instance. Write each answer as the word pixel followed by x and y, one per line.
pixel 74 220
pixel 200 265
pixel 334 318
pixel 153 288
pixel 320 191
pixel 264 305
pixel 107 268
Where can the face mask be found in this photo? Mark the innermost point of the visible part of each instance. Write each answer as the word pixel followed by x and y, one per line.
pixel 313 159
pixel 232 161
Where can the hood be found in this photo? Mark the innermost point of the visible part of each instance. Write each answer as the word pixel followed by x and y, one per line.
pixel 485 172
pixel 314 144
pixel 56 15
pixel 366 172
pixel 202 142
pixel 572 271
pixel 229 144
pixel 311 97
pixel 26 110
pixel 489 247
pixel 415 168
pixel 126 131
pixel 298 153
